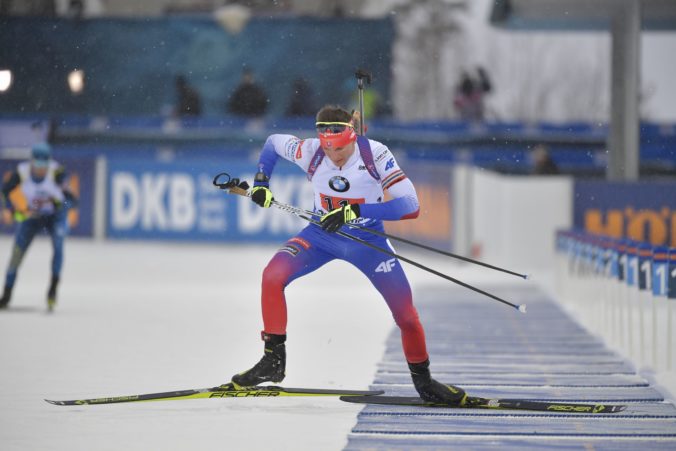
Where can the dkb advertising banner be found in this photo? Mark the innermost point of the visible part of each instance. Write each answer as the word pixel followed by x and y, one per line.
pixel 643 211
pixel 152 200
pixel 178 201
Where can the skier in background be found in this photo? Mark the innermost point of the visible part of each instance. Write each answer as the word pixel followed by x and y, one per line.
pixel 349 175
pixel 43 184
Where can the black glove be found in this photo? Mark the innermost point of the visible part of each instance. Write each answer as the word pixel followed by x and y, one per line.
pixel 333 220
pixel 241 185
pixel 262 196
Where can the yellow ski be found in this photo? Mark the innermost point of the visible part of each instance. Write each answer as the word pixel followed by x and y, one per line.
pixel 222 391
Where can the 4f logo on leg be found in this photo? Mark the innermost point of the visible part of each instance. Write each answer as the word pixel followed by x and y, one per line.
pixel 386 266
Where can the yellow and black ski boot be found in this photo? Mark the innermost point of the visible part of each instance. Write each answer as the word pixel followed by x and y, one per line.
pixel 270 368
pixel 431 390
pixel 6 297
pixel 51 293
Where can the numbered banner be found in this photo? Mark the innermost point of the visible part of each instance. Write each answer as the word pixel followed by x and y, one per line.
pixel 578 254
pixel 671 272
pixel 601 257
pixel 588 252
pixel 631 269
pixel 176 201
pixel 645 254
pixel 613 259
pixel 622 260
pixel 659 268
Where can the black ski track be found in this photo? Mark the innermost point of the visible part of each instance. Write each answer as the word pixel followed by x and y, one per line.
pixel 486 403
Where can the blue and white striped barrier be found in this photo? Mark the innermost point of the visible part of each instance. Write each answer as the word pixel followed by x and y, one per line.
pixel 623 290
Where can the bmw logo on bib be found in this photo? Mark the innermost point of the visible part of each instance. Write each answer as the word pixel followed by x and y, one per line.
pixel 339 184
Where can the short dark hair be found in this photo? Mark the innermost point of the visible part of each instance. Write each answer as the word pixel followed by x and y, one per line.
pixel 333 113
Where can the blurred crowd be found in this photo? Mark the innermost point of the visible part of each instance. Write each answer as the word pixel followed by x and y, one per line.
pixel 250 98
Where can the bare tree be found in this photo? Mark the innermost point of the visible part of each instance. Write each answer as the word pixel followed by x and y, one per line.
pixel 551 76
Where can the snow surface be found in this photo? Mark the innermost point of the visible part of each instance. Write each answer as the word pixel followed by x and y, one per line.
pixel 136 317
pixel 139 317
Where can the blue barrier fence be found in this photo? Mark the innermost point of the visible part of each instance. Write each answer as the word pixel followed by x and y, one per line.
pixel 505 146
pixel 626 290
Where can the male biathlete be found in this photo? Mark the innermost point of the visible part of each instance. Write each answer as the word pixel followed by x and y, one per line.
pixel 348 174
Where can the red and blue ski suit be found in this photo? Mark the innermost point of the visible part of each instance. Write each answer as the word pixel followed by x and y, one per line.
pixel 369 171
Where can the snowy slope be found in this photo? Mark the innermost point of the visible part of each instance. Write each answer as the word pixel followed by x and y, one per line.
pixel 137 317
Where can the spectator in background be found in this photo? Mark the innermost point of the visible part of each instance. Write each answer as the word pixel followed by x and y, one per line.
pixel 301 102
pixel 43 205
pixel 469 95
pixel 76 9
pixel 189 103
pixel 249 98
pixel 542 161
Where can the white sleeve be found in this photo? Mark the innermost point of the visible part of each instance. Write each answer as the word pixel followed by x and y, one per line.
pixel 293 149
pixel 285 145
pixel 386 165
pixel 404 188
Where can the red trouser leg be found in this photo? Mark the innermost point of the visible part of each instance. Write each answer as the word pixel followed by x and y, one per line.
pixel 295 259
pixel 390 280
pixel 273 301
pixel 412 334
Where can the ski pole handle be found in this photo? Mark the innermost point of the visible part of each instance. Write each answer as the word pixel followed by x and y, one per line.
pixel 362 75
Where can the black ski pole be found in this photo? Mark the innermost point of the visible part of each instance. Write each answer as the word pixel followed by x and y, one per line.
pixel 362 75
pixel 438 251
pixel 412 243
pixel 293 209
pixel 521 307
pixel 235 187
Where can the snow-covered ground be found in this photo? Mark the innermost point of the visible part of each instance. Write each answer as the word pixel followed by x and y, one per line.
pixel 137 317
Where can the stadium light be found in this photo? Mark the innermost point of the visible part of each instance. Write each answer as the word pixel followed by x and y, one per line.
pixel 5 79
pixel 76 79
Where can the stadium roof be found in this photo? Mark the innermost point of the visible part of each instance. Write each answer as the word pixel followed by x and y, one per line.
pixel 578 15
pixel 625 20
